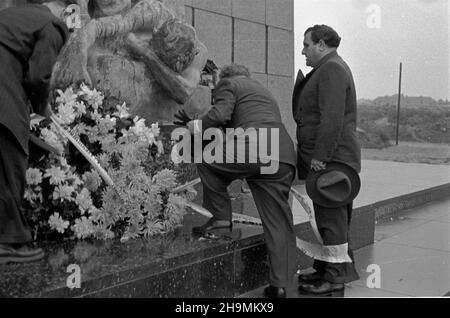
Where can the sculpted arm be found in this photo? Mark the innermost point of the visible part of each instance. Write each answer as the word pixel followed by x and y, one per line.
pixel 146 15
pixel 180 88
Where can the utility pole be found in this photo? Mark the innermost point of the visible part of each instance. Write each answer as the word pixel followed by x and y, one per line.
pixel 398 104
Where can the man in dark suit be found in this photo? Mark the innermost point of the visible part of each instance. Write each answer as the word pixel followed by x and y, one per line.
pixel 324 108
pixel 31 37
pixel 242 105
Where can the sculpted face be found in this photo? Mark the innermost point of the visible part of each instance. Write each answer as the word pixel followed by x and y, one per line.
pixel 111 7
pixel 175 44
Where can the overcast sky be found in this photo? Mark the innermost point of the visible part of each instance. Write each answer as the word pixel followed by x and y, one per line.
pixel 377 35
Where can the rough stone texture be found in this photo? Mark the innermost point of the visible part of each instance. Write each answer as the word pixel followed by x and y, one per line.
pixel 177 7
pixel 252 10
pixel 200 102
pixel 280 13
pixel 281 52
pixel 9 3
pixel 120 76
pixel 214 31
pixel 122 79
pixel 249 45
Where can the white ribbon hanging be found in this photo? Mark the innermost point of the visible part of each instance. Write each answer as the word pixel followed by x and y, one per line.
pixel 326 253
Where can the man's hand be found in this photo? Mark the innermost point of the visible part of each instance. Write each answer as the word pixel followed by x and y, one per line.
pixel 182 117
pixel 317 165
pixel 46 112
pixel 191 126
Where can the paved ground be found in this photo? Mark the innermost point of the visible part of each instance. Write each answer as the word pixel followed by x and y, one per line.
pixel 381 180
pixel 412 253
pixel 412 250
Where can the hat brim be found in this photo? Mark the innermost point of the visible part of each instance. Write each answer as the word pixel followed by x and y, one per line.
pixel 319 199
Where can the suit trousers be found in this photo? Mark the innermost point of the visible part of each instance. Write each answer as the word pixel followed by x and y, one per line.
pixel 271 195
pixel 13 166
pixel 334 225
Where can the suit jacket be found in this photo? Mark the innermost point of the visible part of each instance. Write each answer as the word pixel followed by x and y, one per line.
pixel 30 40
pixel 324 108
pixel 242 102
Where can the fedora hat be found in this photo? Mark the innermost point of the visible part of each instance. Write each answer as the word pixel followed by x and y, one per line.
pixel 333 187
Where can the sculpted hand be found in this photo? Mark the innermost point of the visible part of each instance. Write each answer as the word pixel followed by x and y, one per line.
pixel 46 112
pixel 182 117
pixel 176 86
pixel 317 165
pixel 138 47
pixel 191 127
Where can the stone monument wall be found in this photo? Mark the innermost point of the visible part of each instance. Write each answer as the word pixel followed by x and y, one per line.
pixel 255 33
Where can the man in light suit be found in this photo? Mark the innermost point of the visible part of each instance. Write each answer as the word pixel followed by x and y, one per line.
pixel 324 108
pixel 30 39
pixel 241 102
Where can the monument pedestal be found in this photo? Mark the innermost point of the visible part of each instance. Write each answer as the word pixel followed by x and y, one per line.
pixel 179 265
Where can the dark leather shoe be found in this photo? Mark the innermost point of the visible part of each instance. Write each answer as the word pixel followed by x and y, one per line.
pixel 213 224
pixel 322 287
pixel 309 279
pixel 10 253
pixel 274 292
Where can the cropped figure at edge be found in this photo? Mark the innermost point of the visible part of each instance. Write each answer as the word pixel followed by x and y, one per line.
pixel 31 37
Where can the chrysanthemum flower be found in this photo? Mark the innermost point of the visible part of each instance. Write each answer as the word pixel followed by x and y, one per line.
pixel 56 175
pixel 33 176
pixel 122 111
pixel 92 180
pixel 63 192
pixel 82 228
pixel 84 200
pixel 68 97
pixel 57 223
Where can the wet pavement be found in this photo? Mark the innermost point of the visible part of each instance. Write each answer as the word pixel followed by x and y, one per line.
pixel 411 252
pixel 412 249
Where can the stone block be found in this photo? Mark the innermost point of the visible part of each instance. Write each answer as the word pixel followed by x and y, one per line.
pixel 280 13
pixel 251 268
pixel 250 45
pixel 281 87
pixel 280 52
pixel 208 278
pixel 177 7
pixel 215 32
pixel 219 6
pixel 188 14
pixel 262 78
pixel 362 228
pixel 251 10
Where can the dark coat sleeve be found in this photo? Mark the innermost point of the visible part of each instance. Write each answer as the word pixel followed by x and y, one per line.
pixel 297 87
pixel 333 85
pixel 37 80
pixel 224 103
